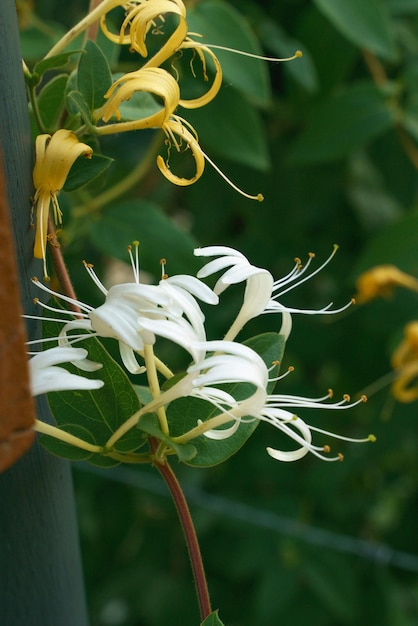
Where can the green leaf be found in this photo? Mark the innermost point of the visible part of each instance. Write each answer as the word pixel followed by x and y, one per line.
pixel 159 237
pixel 94 76
pixel 231 127
pixel 397 244
pixel 366 24
pixel 182 414
pixel 51 63
pixel 94 415
pixel 149 424
pixel 212 620
pixel 342 123
pixel 78 106
pixel 84 170
pixel 51 101
pixel 221 24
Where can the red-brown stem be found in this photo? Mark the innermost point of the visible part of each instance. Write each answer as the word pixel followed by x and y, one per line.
pixel 59 265
pixel 93 28
pixel 189 533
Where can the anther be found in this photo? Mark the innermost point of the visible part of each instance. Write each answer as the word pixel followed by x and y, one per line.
pixel 340 457
pixel 371 438
pixel 326 449
pixel 364 398
pixel 346 397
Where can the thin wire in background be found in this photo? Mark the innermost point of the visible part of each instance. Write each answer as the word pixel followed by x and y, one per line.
pixel 262 518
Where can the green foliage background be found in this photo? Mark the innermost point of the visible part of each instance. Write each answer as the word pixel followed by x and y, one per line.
pixel 332 146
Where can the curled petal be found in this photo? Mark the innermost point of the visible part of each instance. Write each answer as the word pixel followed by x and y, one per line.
pixel 153 80
pixel 55 156
pixel 177 126
pixel 195 103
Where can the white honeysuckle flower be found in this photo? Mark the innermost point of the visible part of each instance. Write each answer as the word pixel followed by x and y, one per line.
pixel 46 376
pixel 134 314
pixel 258 288
pixel 294 427
pixel 227 362
pixel 261 291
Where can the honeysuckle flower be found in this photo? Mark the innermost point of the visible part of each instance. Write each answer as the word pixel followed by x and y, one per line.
pixel 55 155
pixel 188 140
pixel 293 426
pixel 405 361
pixel 145 16
pixel 261 291
pixel 46 376
pixel 381 280
pixel 153 80
pixel 134 314
pixel 258 288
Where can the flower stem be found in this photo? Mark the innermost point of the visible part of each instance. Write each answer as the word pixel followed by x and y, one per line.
pixel 60 267
pixel 189 533
pixel 57 433
pixel 154 386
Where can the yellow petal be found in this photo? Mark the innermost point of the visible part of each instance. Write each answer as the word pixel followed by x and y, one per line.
pixel 154 80
pixel 54 157
pixel 217 81
pixel 177 126
pixel 381 280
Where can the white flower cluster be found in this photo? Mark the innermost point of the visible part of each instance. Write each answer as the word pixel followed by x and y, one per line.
pixel 136 315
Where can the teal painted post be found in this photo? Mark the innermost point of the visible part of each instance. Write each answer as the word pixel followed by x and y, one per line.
pixel 41 580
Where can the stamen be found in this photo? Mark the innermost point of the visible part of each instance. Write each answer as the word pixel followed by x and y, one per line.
pixel 297 55
pixel 61 296
pixel 259 197
pixel 89 267
pixel 135 262
pixel 163 262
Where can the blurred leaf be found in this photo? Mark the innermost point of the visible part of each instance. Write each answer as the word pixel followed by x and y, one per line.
pixel 212 620
pixel 94 76
pixel 182 414
pixel 366 24
pixel 396 244
pixel 51 101
pixel 302 70
pixel 221 24
pixel 159 237
pixel 402 7
pixel 84 170
pixel 231 127
pixel 341 123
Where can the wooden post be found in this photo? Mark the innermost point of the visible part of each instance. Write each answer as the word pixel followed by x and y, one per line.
pixel 40 568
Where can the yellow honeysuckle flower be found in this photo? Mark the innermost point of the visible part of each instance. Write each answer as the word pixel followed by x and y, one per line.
pixel 141 19
pixel 405 359
pixel 188 139
pixel 55 154
pixel 217 80
pixel 381 280
pixel 154 80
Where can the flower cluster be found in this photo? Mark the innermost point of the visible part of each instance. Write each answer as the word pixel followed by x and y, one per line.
pixel 137 315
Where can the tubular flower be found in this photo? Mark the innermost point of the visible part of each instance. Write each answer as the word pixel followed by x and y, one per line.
pixel 405 359
pixel 45 376
pixel 188 140
pixel 55 156
pixel 258 288
pixel 145 16
pixel 135 314
pixel 381 281
pixel 153 80
pixel 261 292
pixel 293 426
